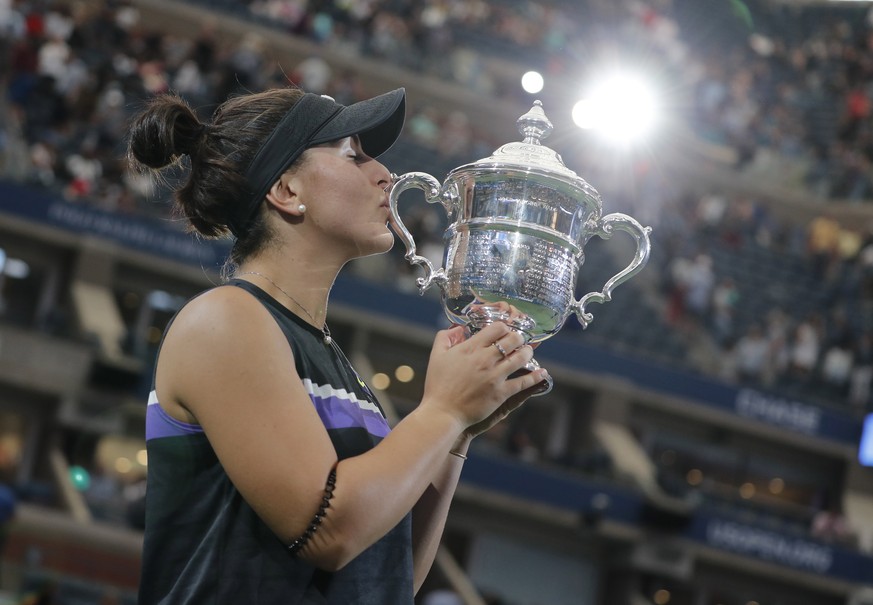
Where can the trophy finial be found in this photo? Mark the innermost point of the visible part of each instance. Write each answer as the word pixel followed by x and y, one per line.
pixel 534 125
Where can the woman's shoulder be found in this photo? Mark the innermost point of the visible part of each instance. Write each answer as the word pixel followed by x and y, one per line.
pixel 215 306
pixel 221 333
pixel 219 316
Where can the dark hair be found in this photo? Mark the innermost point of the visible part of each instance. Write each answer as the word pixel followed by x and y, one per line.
pixel 168 129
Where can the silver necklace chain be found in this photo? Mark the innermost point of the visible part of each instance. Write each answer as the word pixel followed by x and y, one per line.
pixel 324 330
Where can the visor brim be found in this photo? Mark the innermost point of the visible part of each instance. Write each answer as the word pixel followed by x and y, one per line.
pixel 377 122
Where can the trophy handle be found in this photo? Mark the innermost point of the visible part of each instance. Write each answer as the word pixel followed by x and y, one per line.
pixel 604 229
pixel 431 188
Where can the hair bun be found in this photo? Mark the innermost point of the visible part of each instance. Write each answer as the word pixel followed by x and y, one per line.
pixel 189 142
pixel 167 129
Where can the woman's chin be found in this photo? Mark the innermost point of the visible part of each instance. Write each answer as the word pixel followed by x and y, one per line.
pixel 386 242
pixel 380 244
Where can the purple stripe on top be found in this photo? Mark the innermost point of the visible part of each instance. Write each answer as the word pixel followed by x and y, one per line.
pixel 159 424
pixel 339 413
pixel 334 408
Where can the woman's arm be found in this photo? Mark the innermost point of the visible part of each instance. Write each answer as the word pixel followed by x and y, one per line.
pixel 431 510
pixel 240 384
pixel 429 514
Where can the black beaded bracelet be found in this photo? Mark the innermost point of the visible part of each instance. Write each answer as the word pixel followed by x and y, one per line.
pixel 300 542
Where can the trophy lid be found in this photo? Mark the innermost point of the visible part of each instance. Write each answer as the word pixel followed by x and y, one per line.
pixel 531 154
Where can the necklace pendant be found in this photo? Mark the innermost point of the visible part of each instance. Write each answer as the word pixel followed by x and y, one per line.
pixel 327 339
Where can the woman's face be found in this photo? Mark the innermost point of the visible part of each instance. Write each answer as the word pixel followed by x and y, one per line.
pixel 345 197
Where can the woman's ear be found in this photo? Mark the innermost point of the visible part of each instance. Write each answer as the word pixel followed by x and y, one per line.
pixel 283 196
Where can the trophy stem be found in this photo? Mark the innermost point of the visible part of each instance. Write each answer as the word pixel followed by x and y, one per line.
pixel 483 315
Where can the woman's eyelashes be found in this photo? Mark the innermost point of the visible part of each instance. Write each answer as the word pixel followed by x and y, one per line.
pixel 350 147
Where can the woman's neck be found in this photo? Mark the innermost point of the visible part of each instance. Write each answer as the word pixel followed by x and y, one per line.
pixel 300 285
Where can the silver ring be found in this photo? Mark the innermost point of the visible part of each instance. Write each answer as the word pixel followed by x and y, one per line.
pixel 499 348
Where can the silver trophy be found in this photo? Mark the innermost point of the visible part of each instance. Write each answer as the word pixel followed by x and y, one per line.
pixel 519 221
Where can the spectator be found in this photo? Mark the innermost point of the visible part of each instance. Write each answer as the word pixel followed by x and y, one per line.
pixel 804 348
pixel 752 356
pixel 8 506
pixel 725 299
pixel 837 365
pixel 455 138
pixel 313 74
pixel 829 524
pixel 678 275
pixel 824 232
pixel 861 374
pixel 700 283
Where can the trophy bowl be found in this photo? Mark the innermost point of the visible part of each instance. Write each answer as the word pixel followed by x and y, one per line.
pixel 518 224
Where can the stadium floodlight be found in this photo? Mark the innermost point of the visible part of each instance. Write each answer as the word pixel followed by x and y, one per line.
pixel 532 82
pixel 621 108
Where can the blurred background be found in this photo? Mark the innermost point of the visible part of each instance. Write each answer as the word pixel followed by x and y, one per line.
pixel 705 442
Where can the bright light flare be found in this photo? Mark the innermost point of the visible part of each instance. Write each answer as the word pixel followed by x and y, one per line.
pixel 532 82
pixel 623 109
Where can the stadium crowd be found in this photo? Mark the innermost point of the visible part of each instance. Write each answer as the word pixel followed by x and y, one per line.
pixel 753 84
pixel 72 74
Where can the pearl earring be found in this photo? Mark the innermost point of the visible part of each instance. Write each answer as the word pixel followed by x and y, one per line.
pixel 301 208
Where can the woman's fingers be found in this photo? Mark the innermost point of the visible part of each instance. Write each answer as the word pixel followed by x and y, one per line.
pixel 526 381
pixel 518 359
pixel 491 333
pixel 473 377
pixel 500 336
pixel 453 336
pixel 503 348
pixel 499 343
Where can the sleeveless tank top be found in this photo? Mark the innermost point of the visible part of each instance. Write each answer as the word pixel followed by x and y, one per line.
pixel 204 544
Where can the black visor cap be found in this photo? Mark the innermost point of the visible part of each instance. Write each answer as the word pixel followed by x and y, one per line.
pixel 314 120
pixel 377 122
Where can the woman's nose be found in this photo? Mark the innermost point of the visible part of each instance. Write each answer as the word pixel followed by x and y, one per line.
pixel 386 180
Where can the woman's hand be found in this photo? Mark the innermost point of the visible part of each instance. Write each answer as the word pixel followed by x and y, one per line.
pixel 508 406
pixel 469 378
